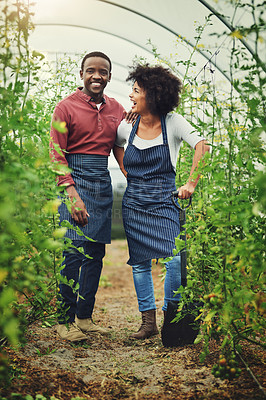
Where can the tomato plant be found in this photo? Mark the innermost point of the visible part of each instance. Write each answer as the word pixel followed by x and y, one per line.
pixel 225 226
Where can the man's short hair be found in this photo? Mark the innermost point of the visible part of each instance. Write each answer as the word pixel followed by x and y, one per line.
pixel 96 54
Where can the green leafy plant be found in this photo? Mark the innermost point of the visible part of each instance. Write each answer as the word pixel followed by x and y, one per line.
pixel 46 352
pixel 31 240
pixel 226 224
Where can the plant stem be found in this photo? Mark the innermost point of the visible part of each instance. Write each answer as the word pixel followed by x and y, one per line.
pixel 243 337
pixel 250 372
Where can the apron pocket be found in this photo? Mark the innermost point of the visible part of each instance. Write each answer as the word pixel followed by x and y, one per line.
pixel 144 194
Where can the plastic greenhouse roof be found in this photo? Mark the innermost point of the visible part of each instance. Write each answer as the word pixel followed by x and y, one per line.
pixel 123 28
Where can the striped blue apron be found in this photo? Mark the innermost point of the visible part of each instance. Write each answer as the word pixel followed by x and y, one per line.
pixel 93 184
pixel 150 219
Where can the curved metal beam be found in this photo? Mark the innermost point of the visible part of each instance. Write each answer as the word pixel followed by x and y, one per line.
pixel 166 28
pixel 94 29
pixel 97 30
pixel 232 29
pixel 76 54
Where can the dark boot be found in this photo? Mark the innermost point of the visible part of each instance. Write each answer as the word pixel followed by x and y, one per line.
pixel 148 327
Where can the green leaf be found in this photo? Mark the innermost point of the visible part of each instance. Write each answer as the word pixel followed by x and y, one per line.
pixel 210 315
pixel 238 160
pixel 198 339
pixel 60 126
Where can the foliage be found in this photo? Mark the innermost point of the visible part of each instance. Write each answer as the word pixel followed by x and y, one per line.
pixel 226 225
pixel 30 241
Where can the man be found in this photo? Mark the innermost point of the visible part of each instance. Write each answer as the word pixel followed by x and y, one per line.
pixel 91 120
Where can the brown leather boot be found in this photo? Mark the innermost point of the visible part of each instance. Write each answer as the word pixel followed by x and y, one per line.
pixel 148 327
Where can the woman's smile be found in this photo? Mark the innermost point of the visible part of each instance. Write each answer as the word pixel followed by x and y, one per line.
pixel 138 98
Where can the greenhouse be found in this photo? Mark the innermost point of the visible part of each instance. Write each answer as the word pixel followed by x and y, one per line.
pixel 213 52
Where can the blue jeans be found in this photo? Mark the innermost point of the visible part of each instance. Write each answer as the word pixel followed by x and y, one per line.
pixel 143 282
pixel 86 273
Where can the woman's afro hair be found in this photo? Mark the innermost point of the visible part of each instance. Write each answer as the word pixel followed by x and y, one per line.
pixel 161 86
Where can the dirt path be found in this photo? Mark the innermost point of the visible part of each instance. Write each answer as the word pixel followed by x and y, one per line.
pixel 117 367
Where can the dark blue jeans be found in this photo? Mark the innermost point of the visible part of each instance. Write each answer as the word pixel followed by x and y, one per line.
pixel 86 273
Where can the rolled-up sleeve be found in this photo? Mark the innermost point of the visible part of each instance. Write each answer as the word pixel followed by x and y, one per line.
pixel 58 146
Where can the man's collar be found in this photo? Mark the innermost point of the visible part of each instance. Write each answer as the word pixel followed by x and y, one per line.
pixel 88 98
pixel 102 101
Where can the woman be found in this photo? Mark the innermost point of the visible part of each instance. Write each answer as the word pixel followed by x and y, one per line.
pixel 150 219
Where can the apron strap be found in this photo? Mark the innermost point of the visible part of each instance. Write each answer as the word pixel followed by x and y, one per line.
pixel 133 130
pixel 163 125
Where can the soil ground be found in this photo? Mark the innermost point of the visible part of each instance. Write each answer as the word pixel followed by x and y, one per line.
pixel 117 367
